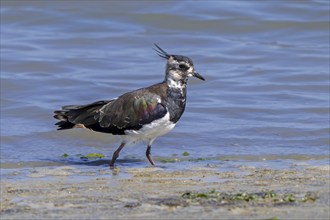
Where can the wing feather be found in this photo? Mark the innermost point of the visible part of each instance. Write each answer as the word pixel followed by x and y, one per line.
pixel 131 111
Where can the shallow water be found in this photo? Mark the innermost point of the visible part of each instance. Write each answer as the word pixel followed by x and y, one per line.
pixel 265 100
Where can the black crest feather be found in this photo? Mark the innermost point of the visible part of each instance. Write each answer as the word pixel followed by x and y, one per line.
pixel 162 53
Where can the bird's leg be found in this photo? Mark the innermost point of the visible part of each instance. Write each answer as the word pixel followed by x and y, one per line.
pixel 148 154
pixel 116 154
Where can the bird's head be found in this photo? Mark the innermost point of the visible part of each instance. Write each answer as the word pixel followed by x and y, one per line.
pixel 178 68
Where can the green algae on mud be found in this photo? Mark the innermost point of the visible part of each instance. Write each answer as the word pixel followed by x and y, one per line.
pixel 90 156
pixel 95 156
pixel 259 198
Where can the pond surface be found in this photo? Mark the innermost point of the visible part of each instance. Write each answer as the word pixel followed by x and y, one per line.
pixel 265 100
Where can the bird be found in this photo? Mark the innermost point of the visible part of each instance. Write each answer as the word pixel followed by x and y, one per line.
pixel 140 115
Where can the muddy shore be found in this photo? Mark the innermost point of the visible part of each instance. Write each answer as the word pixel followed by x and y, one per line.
pixel 70 192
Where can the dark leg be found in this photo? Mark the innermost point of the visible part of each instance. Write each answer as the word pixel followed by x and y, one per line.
pixel 116 154
pixel 149 155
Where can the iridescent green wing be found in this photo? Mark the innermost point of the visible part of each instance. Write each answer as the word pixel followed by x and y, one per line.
pixel 132 111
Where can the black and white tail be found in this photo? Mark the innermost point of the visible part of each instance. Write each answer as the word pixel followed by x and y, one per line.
pixel 78 115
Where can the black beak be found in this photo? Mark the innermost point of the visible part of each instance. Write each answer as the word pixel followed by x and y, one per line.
pixel 197 75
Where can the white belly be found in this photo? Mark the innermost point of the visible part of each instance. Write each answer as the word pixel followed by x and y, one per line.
pixel 149 132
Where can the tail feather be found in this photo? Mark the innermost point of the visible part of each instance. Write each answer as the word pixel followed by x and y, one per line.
pixel 62 125
pixel 72 115
pixel 60 115
pixel 64 120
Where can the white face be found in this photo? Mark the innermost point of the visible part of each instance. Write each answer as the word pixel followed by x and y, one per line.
pixel 179 70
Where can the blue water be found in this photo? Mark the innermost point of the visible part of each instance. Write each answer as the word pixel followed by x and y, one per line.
pixel 266 64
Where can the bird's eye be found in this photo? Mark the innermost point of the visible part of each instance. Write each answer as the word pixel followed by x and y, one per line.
pixel 183 67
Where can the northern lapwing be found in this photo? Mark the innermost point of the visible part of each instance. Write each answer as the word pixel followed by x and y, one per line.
pixel 140 115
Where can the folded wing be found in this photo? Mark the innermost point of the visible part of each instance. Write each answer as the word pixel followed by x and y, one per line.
pixel 129 111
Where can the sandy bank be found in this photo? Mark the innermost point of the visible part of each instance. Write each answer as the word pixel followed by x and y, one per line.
pixel 148 193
